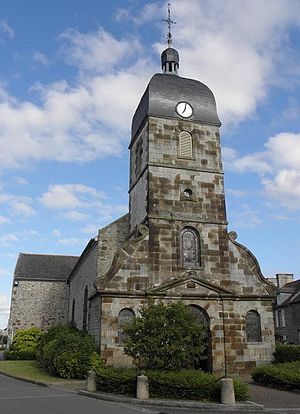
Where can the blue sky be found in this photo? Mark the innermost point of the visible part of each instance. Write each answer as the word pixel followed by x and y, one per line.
pixel 72 74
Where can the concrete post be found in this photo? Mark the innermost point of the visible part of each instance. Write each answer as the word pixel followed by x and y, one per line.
pixel 227 391
pixel 91 381
pixel 142 388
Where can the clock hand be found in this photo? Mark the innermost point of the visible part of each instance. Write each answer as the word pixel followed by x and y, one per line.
pixel 185 106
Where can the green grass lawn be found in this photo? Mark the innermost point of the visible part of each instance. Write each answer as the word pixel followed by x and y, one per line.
pixel 29 370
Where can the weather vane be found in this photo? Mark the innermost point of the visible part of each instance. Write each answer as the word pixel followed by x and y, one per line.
pixel 169 21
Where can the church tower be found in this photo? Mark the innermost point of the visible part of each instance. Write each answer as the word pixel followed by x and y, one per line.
pixel 174 243
pixel 176 176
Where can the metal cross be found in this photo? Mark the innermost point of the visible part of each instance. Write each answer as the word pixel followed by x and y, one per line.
pixel 169 21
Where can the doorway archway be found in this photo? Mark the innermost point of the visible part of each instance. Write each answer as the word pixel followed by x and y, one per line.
pixel 204 320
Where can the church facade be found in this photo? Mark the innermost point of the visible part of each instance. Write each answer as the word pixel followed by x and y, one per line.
pixel 174 243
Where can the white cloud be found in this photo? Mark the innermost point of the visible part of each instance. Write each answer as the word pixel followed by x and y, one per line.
pixel 72 241
pixel 71 196
pixel 7 29
pixel 234 50
pixel 4 220
pixel 247 217
pixel 20 180
pixel 4 310
pixel 39 57
pixel 278 165
pixel 80 119
pixel 98 51
pixel 21 209
pixel 90 229
pixel 7 239
pixel 17 205
pixel 149 12
pixel 76 216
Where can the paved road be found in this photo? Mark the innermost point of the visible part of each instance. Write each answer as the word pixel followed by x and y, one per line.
pixel 21 397
pixel 18 397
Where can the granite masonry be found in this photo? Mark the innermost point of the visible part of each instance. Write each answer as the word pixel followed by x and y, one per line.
pixel 174 243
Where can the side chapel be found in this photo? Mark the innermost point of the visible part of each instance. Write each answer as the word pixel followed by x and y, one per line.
pixel 174 243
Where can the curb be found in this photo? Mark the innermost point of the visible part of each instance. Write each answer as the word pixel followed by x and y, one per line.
pixel 248 405
pixel 41 384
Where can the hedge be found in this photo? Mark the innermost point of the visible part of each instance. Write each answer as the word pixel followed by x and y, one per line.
pixel 286 353
pixel 25 344
pixel 68 353
pixel 186 384
pixel 286 375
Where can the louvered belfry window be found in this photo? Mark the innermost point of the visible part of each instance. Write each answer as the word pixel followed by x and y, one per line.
pixel 185 145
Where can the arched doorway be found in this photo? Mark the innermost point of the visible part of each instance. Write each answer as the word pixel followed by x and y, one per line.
pixel 203 319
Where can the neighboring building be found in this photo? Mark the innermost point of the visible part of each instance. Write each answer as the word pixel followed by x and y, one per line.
pixel 174 243
pixel 40 292
pixel 287 310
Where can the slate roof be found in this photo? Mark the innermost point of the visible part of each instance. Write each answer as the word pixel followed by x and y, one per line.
pixel 44 267
pixel 163 93
pixel 294 289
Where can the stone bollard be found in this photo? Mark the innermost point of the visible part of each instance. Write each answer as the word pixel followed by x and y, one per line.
pixel 142 387
pixel 91 381
pixel 227 391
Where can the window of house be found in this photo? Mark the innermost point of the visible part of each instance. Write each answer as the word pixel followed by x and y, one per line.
pixel 85 313
pixel 253 326
pixel 277 319
pixel 190 248
pixel 185 145
pixel 281 317
pixel 125 315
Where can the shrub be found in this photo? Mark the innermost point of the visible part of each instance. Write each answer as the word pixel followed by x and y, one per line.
pixel 286 375
pixel 186 384
pixel 286 353
pixel 25 344
pixel 159 338
pixel 67 352
pixel 117 380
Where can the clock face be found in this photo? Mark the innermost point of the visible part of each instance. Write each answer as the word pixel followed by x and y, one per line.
pixel 184 109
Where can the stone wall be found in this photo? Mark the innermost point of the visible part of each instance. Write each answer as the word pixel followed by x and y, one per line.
pixel 37 303
pixel 111 238
pixel 83 276
pixel 241 356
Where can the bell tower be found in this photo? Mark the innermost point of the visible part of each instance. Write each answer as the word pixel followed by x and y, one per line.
pixel 176 176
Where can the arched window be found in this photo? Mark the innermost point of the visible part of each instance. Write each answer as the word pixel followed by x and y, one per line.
pixel 190 248
pixel 253 326
pixel 185 145
pixel 85 307
pixel 201 315
pixel 204 363
pixel 125 315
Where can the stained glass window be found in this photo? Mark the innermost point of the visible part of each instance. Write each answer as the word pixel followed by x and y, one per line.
pixel 190 248
pixel 253 327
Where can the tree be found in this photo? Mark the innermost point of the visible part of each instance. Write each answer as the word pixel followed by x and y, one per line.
pixel 165 337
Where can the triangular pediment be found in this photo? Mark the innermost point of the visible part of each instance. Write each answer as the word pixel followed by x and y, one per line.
pixel 190 286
